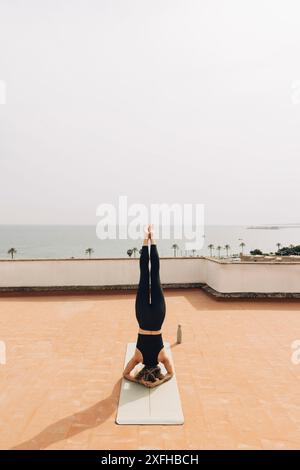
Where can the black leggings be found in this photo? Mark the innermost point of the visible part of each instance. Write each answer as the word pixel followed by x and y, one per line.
pixel 150 316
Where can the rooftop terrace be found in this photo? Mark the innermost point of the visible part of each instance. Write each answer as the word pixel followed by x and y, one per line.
pixel 60 385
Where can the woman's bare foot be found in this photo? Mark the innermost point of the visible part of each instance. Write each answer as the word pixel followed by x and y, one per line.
pixel 151 234
pixel 146 235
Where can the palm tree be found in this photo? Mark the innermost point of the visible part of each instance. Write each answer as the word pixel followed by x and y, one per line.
pixel 242 245
pixel 12 252
pixel 227 248
pixel 89 251
pixel 219 248
pixel 129 252
pixel 134 251
pixel 193 252
pixel 175 247
pixel 278 246
pixel 211 248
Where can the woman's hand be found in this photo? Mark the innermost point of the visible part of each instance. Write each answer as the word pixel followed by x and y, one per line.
pixel 149 384
pixel 157 382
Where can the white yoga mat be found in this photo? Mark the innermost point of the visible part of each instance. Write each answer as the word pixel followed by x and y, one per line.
pixel 141 405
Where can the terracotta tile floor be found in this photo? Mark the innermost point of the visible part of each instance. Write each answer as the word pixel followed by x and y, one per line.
pixel 60 385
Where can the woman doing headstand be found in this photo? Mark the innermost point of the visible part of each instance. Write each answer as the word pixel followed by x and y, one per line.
pixel 150 316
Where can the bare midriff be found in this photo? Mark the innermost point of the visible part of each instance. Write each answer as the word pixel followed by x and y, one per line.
pixel 148 332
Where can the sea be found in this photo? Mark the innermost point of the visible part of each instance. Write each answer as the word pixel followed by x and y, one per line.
pixel 72 241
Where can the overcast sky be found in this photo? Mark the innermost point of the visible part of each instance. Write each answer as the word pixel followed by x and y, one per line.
pixel 161 100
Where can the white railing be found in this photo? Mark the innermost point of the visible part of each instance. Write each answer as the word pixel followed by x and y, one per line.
pixel 223 277
pixel 95 272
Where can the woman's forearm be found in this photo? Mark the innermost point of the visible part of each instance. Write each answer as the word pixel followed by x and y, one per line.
pixel 130 377
pixel 167 377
